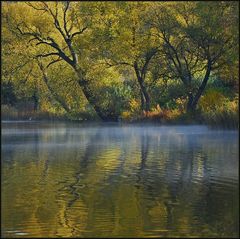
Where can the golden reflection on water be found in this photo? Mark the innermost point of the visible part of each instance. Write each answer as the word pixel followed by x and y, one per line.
pixel 119 182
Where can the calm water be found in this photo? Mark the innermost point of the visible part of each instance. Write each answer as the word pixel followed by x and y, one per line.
pixel 70 180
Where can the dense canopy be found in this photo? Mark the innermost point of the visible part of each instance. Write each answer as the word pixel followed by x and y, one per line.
pixel 121 60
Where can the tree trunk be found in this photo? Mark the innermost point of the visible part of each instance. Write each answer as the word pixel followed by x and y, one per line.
pixel 193 101
pixel 35 101
pixel 143 90
pixel 147 99
pixel 83 83
pixel 142 100
pixel 56 97
pixel 93 101
pixel 145 96
pixel 189 103
pixel 202 86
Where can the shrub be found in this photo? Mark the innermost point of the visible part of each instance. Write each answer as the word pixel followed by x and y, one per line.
pixel 223 114
pixel 8 112
pixel 126 116
pixel 212 100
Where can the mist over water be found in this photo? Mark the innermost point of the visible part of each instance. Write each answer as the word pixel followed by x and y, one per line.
pixel 73 180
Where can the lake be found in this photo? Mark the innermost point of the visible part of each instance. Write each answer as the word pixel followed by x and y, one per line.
pixel 80 180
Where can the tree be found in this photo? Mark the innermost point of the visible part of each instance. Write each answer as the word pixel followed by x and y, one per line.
pixel 195 37
pixel 132 36
pixel 116 53
pixel 56 34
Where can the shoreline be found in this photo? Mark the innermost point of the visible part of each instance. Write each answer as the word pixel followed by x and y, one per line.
pixel 120 123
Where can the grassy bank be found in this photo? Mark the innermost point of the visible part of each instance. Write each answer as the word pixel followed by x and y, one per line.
pixel 222 118
pixel 11 113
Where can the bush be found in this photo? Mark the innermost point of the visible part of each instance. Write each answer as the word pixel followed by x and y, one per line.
pixel 8 112
pixel 224 114
pixel 126 116
pixel 11 113
pixel 155 115
pixel 211 101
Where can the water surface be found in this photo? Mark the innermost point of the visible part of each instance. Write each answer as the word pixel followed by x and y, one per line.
pixel 71 180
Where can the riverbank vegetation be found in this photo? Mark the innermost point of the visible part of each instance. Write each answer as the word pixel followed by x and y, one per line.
pixel 166 62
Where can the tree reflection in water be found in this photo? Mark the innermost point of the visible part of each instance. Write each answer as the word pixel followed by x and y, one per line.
pixel 120 181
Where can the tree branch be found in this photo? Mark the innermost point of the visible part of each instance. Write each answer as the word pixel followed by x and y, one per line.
pixel 35 7
pixel 48 54
pixel 65 19
pixel 78 33
pixel 53 62
pixel 148 58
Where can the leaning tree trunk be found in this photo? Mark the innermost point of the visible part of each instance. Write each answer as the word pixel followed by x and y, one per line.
pixel 202 86
pixel 64 26
pixel 83 83
pixel 56 96
pixel 193 101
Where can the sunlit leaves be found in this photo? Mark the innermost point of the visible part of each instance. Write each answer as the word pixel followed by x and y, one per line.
pixel 108 38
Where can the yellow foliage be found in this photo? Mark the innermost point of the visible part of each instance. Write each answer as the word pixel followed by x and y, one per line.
pixel 181 103
pixel 158 108
pixel 126 115
pixel 173 114
pixel 134 105
pixel 162 114
pixel 211 100
pixel 225 114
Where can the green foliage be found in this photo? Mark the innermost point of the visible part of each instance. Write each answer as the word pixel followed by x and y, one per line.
pixel 8 112
pixel 90 59
pixel 211 100
pixel 219 111
pixel 168 95
pixel 8 96
pixel 117 97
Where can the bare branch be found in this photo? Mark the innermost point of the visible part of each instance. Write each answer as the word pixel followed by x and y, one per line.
pixel 199 69
pixel 65 19
pixel 116 63
pixel 33 39
pixel 78 33
pixel 35 7
pixel 179 67
pixel 48 54
pixel 220 52
pixel 48 41
pixel 148 58
pixel 53 62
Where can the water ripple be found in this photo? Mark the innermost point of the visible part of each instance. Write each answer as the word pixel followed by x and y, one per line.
pixel 119 181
